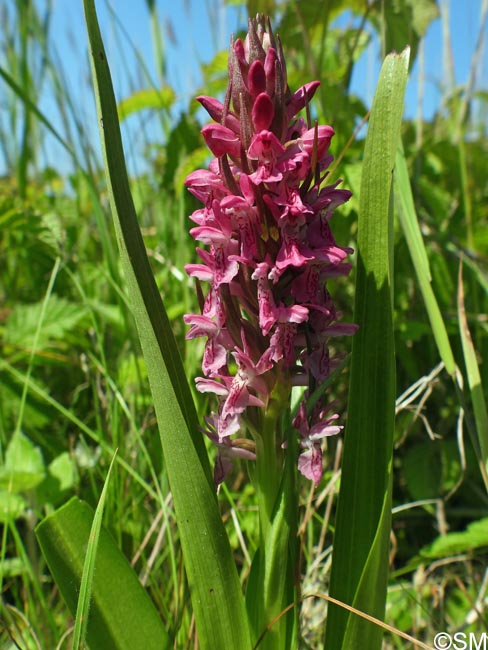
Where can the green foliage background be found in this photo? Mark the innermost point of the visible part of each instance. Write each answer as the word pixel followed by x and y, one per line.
pixel 73 387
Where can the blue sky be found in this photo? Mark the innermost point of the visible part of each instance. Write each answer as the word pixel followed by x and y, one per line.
pixel 193 30
pixel 201 27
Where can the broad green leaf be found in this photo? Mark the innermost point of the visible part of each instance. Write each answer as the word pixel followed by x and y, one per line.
pixel 149 98
pixel 474 537
pixel 399 606
pixel 24 466
pixel 217 597
pixel 423 470
pixel 11 506
pixel 61 476
pixel 360 555
pixel 62 470
pixel 59 318
pixel 219 65
pixel 411 229
pixel 121 613
pixel 372 587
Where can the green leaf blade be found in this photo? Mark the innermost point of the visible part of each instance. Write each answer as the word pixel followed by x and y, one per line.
pixel 217 598
pixel 121 613
pixel 360 560
pixel 475 385
pixel 146 99
pixel 59 317
pixel 86 584
pixel 23 468
pixel 409 222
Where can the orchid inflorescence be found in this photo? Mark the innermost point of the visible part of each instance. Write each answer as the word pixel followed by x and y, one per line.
pixel 267 314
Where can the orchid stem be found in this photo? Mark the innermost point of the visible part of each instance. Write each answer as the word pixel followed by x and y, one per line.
pixel 278 503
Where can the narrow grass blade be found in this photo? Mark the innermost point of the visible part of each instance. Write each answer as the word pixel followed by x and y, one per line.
pixel 474 380
pixel 86 585
pixel 121 613
pixel 217 598
pixel 35 342
pixel 410 226
pixel 360 556
pixel 68 414
pixel 31 106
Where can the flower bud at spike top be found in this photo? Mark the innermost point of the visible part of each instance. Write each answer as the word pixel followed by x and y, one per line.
pixel 268 252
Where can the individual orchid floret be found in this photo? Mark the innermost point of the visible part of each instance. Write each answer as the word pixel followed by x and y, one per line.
pixel 267 253
pixel 310 460
pixel 221 140
pixel 227 449
pixel 317 138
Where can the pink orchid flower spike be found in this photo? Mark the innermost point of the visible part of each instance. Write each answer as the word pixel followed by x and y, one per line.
pixel 266 254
